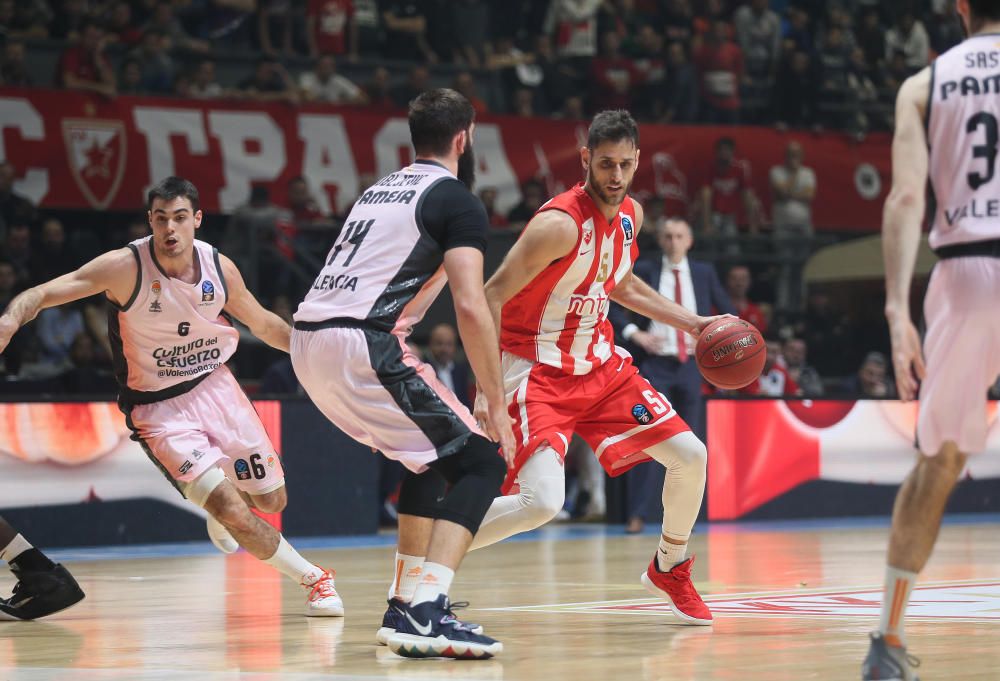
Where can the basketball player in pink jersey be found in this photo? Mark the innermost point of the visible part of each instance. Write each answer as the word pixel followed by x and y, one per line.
pixel 947 131
pixel 171 341
pixel 42 588
pixel 563 372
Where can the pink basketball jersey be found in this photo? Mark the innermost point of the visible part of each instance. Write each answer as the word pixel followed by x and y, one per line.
pixel 169 335
pixel 964 136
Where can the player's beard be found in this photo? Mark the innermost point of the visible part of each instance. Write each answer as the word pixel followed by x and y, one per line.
pixel 599 190
pixel 467 167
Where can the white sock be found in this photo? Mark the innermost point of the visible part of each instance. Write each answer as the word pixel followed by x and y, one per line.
pixel 406 577
pixel 287 561
pixel 895 597
pixel 15 548
pixel 668 555
pixel 435 580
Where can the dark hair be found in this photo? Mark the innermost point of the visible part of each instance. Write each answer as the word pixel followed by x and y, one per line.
pixel 725 142
pixel 985 9
pixel 172 188
pixel 436 116
pixel 612 126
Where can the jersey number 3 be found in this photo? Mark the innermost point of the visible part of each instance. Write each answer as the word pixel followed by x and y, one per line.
pixel 987 151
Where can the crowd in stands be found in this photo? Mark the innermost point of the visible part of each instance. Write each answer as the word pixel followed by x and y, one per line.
pixel 799 63
pixel 796 63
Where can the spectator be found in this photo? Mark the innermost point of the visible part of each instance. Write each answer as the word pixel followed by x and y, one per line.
pixel 720 65
pixel 524 103
pixel 274 25
pixel 572 109
pixel 8 283
pixel 864 92
pixel 798 31
pixel 451 370
pixel 324 84
pixel 795 91
pixel 613 77
pixel 130 78
pixel 251 228
pixel 758 33
pixel 681 105
pixel 84 66
pixel 204 84
pixel 727 188
pixel 488 195
pixel 793 188
pixel 13 69
pixel 379 91
pixel 17 251
pixel 678 22
pixel 418 80
pixel 466 85
pixel 827 332
pixel 155 62
pixel 120 28
pixel 31 19
pixel 308 218
pixel 53 257
pixel 574 23
pixel 944 26
pixel 84 376
pixel 14 208
pixel 708 12
pixel 406 32
pixel 56 328
pixel 910 37
pixel 805 376
pixel 896 71
pixel 651 70
pixel 871 37
pixel 774 381
pixel 671 187
pixel 834 61
pixel 738 283
pixel 70 20
pixel 369 26
pixel 471 31
pixel 164 22
pixel 871 379
pixel 663 353
pixel 331 28
pixel 270 82
pixel 532 198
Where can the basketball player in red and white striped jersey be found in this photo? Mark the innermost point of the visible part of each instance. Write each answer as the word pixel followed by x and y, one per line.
pixel 563 372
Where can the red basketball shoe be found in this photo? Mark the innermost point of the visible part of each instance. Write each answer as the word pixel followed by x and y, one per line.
pixel 677 588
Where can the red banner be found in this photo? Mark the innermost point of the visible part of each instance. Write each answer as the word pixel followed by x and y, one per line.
pixel 760 449
pixel 73 150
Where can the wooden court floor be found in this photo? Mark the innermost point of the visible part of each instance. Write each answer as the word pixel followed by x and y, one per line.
pixel 792 602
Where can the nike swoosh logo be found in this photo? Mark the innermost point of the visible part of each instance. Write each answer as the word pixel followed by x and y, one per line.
pixel 621 365
pixel 422 629
pixel 586 252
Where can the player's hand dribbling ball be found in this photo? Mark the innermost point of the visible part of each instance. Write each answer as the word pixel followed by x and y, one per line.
pixel 730 353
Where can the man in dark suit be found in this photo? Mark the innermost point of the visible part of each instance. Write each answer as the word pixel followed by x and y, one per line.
pixel 442 355
pixel 665 355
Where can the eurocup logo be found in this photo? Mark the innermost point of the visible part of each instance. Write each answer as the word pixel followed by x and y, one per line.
pixel 641 414
pixel 627 227
pixel 207 292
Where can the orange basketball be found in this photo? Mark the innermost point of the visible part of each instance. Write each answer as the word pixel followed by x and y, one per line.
pixel 730 353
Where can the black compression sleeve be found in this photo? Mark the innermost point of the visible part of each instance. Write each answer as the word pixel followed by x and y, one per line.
pixel 454 216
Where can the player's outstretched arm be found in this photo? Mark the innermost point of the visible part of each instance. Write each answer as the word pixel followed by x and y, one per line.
pixel 464 267
pixel 901 222
pixel 113 273
pixel 241 304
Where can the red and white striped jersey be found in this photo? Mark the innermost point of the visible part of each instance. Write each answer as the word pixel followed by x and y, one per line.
pixel 561 317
